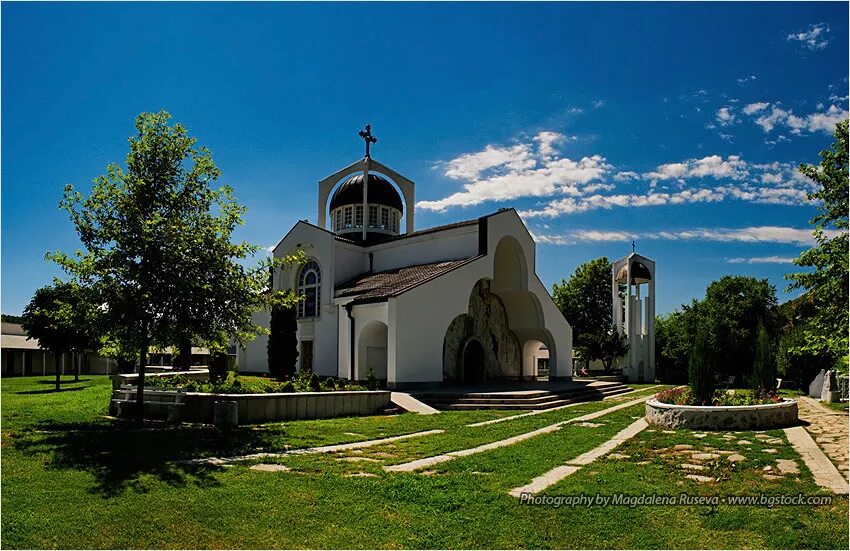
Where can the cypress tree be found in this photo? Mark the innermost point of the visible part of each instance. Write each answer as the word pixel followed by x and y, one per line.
pixel 701 368
pixel 282 346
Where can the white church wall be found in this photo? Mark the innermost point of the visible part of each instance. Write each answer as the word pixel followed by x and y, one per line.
pixel 509 224
pixel 371 331
pixel 418 320
pixel 349 261
pixel 253 357
pixel 318 245
pixel 423 249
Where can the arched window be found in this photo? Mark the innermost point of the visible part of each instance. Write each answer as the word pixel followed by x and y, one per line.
pixel 309 286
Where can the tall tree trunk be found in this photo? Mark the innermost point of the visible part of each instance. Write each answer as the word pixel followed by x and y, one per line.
pixel 58 358
pixel 140 389
pixel 76 367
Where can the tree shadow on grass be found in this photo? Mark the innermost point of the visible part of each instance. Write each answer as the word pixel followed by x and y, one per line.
pixel 122 455
pixel 49 390
pixel 62 382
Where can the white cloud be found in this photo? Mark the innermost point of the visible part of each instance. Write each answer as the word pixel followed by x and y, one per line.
pixel 524 170
pixel 754 234
pixel 711 166
pixel 762 260
pixel 752 108
pixel 725 116
pixel 625 176
pixel 745 80
pixel 814 38
pixel 546 142
pixel 598 103
pixel 819 121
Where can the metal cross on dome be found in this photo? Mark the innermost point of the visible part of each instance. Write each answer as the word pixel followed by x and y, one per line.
pixel 368 137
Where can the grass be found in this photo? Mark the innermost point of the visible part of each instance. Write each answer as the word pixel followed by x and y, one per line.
pixel 75 479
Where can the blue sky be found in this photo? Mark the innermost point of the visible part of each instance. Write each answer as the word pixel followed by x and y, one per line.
pixel 676 125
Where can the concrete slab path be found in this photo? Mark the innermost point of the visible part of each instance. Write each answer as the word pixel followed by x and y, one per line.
pixel 825 473
pixel 560 472
pixel 302 451
pixel 442 458
pixel 407 402
pixel 830 429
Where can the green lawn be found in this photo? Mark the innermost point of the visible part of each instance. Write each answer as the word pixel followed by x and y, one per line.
pixel 72 478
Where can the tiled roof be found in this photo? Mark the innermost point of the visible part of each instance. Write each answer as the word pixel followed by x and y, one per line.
pixel 375 287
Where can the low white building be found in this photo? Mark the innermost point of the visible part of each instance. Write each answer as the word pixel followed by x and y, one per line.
pixel 459 303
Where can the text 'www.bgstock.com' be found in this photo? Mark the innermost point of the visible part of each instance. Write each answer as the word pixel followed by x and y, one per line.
pixel 680 500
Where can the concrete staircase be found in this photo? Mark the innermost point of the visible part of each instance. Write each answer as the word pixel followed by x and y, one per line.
pixel 520 399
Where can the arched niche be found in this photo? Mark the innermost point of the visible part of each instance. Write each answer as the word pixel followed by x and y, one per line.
pixel 372 350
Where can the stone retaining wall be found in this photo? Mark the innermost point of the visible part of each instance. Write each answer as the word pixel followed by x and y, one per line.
pixel 766 416
pixel 263 408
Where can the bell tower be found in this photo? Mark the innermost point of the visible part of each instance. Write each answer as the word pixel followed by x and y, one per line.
pixel 634 316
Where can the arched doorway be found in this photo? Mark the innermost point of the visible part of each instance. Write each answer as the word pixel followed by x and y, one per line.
pixel 372 350
pixel 473 363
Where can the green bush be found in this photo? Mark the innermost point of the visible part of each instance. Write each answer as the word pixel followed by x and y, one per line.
pixel 372 382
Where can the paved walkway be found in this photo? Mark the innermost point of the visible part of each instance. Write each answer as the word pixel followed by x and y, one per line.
pixel 830 430
pixel 442 458
pixel 409 403
pixel 823 471
pixel 302 451
pixel 562 471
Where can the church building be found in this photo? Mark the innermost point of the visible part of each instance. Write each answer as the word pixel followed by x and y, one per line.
pixel 459 303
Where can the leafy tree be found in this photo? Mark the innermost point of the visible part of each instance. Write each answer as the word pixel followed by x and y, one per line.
pixel 63 319
pixel 674 341
pixel 701 367
pixel 609 346
pixel 11 318
pixel 158 250
pixel 733 308
pixel 827 283
pixel 585 301
pixel 764 365
pixel 282 346
pixel 796 362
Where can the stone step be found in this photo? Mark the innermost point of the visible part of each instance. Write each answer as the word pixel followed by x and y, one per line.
pixel 544 402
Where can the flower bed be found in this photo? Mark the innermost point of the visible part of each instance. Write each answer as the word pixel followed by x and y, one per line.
pixel 759 416
pixel 682 396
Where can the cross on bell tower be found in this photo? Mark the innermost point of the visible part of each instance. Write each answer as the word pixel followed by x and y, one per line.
pixel 368 138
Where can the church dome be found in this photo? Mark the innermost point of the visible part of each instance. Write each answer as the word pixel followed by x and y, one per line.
pixel 380 190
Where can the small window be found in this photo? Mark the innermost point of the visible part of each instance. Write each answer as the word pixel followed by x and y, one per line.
pixel 394 221
pixel 385 218
pixel 338 218
pixel 373 216
pixel 358 216
pixel 347 223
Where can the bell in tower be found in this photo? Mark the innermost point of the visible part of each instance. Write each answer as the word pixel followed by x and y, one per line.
pixel 634 315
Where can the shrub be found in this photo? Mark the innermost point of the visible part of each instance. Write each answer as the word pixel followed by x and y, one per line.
pixel 315 382
pixel 372 382
pixel 701 368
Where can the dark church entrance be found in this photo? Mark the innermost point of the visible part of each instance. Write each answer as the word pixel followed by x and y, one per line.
pixel 473 365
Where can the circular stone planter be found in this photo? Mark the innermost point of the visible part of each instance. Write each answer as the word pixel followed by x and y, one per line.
pixel 765 416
